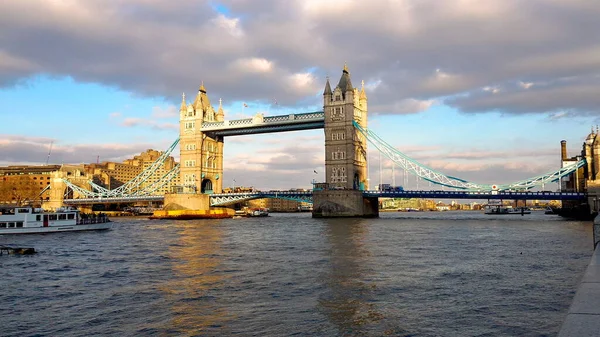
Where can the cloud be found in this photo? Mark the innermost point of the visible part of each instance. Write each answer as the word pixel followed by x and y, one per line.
pixel 406 106
pixel 577 96
pixel 133 122
pixel 415 51
pixel 253 65
pixel 34 151
pixel 514 57
pixel 170 112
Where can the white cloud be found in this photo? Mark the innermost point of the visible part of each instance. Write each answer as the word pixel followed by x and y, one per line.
pixel 170 112
pixel 525 85
pixel 254 65
pixel 230 25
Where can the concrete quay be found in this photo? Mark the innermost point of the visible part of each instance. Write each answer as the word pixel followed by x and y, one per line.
pixel 583 318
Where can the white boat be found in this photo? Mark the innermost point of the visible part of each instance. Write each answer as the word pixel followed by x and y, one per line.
pixel 29 220
pixel 501 210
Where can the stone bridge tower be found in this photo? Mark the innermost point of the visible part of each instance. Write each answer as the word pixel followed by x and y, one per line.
pixel 345 153
pixel 201 157
pixel 76 175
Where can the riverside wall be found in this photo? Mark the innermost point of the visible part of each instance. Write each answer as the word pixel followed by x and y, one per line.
pixel 583 318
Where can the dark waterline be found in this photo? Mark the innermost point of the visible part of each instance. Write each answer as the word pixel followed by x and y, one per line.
pixel 404 274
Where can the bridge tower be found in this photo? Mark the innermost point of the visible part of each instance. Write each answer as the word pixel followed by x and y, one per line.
pixel 201 157
pixel 58 188
pixel 345 153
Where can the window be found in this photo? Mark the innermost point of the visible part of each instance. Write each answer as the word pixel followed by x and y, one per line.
pixel 338 97
pixel 338 135
pixel 338 175
pixel 338 155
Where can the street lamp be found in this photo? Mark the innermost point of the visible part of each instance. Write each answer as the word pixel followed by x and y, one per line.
pixel 233 188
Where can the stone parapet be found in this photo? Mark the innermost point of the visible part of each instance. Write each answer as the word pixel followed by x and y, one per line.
pixel 583 318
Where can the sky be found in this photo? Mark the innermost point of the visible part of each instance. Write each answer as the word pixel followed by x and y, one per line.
pixel 481 90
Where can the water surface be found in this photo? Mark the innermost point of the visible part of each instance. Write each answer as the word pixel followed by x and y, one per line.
pixel 404 274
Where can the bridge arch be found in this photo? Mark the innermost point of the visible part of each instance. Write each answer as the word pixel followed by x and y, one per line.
pixel 206 186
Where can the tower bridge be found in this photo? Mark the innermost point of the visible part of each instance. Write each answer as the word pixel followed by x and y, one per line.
pixel 345 192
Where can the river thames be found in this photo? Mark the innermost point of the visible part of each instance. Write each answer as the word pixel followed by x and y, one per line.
pixel 403 274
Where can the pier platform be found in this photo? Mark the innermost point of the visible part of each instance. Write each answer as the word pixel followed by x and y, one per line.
pixel 16 250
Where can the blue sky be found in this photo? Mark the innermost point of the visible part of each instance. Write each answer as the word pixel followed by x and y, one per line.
pixel 446 85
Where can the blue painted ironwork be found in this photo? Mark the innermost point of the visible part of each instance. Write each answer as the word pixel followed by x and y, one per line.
pixel 134 186
pixel 110 200
pixel 496 195
pixel 314 120
pixel 439 178
pixel 223 199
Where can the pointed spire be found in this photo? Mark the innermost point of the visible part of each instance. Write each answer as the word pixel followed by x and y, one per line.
pixel 220 113
pixel 363 94
pixel 202 89
pixel 349 84
pixel 183 104
pixel 327 90
pixel 345 84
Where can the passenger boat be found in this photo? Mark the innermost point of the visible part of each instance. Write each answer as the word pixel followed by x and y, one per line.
pixel 251 212
pixel 29 220
pixel 498 210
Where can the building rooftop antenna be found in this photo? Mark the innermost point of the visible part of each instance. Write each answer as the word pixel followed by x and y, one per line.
pixel 49 151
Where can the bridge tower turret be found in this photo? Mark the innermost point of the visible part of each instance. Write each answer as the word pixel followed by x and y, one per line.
pixel 345 154
pixel 345 147
pixel 201 156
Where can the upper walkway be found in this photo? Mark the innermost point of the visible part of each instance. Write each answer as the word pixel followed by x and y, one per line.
pixel 260 124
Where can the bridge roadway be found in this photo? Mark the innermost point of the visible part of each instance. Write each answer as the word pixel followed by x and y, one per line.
pixel 306 196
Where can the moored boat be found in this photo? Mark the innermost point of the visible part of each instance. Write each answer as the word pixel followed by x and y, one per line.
pixel 251 212
pixel 500 210
pixel 30 220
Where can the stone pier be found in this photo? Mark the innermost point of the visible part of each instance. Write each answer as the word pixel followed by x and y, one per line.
pixel 343 203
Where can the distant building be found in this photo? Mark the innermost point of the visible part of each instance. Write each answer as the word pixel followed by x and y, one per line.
pixel 20 182
pixel 113 175
pixel 31 183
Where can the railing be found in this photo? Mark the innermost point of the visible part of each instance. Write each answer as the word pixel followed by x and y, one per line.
pixel 268 120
